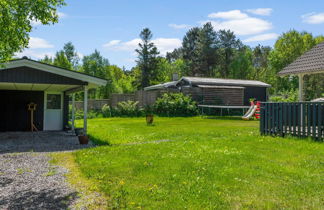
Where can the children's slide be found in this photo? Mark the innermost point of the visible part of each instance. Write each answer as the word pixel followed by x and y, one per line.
pixel 249 114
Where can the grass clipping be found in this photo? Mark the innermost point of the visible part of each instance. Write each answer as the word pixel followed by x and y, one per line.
pixel 89 196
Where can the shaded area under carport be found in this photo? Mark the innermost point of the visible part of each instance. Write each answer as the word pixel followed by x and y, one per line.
pixel 44 141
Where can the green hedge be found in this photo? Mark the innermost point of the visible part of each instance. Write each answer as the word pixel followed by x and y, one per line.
pixel 175 104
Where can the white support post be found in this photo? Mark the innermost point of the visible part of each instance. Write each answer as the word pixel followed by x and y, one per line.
pixel 85 109
pixel 301 87
pixel 73 111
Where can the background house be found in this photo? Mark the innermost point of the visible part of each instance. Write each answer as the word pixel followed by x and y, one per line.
pixel 215 91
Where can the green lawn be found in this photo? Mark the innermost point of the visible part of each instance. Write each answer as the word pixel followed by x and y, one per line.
pixel 201 163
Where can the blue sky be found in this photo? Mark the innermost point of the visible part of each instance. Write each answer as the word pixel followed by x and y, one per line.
pixel 112 27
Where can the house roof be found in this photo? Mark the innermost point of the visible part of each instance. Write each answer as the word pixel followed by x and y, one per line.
pixel 221 87
pixel 222 82
pixel 25 62
pixel 310 62
pixel 210 83
pixel 318 100
pixel 162 86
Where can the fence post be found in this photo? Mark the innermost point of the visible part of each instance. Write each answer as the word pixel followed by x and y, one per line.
pixel 314 120
pixel 262 118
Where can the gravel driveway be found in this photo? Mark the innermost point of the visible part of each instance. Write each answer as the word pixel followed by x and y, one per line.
pixel 27 179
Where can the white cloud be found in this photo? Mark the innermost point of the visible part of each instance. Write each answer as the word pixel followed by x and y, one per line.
pixel 262 37
pixel 246 26
pixel 164 45
pixel 80 55
pixel 232 14
pixel 179 26
pixel 260 11
pixel 34 54
pixel 112 43
pixel 36 43
pixel 313 18
pixel 61 15
pixel 239 22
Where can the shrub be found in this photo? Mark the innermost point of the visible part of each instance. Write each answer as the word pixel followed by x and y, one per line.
pixel 90 115
pixel 175 104
pixel 285 96
pixel 106 110
pixel 128 109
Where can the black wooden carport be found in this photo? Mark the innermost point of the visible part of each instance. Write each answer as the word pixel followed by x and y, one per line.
pixel 23 81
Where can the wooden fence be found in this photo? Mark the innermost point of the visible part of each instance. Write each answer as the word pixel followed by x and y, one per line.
pixel 93 104
pixel 302 119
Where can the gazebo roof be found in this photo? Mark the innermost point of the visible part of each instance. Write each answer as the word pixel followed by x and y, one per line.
pixel 309 63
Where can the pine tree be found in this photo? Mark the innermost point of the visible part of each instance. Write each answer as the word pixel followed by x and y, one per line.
pixel 147 57
pixel 228 46
pixel 71 54
pixel 207 50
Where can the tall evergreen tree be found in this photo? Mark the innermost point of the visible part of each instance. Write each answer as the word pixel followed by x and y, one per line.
pixel 207 50
pixel 228 45
pixel 189 50
pixel 260 62
pixel 147 57
pixel 174 55
pixel 241 66
pixel 71 54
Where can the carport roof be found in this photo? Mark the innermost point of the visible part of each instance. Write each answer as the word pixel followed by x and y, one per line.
pixel 92 81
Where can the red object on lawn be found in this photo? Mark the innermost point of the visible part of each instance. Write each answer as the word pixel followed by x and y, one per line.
pixel 257 112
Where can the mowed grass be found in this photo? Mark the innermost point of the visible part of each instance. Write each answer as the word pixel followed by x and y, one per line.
pixel 201 164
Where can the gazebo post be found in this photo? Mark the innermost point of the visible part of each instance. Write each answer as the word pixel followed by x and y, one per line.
pixel 301 87
pixel 85 109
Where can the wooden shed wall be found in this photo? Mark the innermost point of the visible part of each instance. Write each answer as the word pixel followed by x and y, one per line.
pixel 259 93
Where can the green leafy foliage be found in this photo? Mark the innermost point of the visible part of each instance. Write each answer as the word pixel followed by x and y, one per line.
pixel 106 110
pixel 16 22
pixel 289 47
pixel 61 60
pixel 90 115
pixel 204 52
pixel 128 109
pixel 175 104
pixel 285 96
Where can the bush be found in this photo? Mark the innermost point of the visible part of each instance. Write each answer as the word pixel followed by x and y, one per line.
pixel 285 96
pixel 90 115
pixel 175 104
pixel 106 110
pixel 127 109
